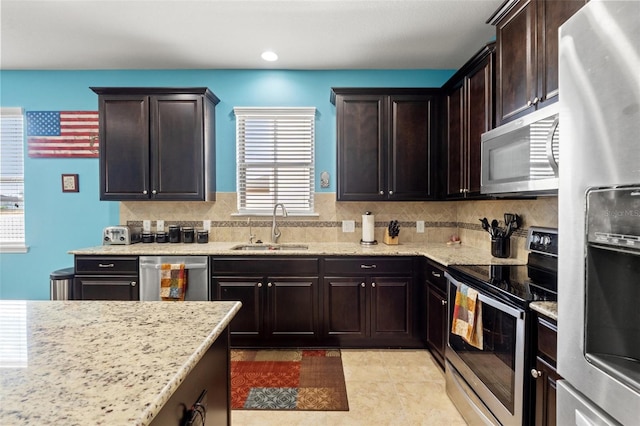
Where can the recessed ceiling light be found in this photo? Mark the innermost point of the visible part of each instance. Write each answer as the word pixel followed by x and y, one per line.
pixel 269 56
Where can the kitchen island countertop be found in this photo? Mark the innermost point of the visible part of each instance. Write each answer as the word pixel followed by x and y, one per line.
pixel 456 254
pixel 100 362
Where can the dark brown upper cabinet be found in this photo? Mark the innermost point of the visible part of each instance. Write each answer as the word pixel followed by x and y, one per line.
pixel 157 143
pixel 469 112
pixel 527 54
pixel 385 143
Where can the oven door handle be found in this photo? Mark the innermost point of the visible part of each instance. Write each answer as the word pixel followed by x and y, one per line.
pixel 516 313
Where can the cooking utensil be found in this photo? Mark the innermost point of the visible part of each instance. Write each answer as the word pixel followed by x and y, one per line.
pixel 485 224
pixel 494 228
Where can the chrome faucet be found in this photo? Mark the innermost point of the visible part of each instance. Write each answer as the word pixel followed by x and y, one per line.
pixel 251 235
pixel 275 232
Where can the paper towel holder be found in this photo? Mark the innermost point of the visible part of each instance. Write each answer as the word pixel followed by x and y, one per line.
pixel 362 241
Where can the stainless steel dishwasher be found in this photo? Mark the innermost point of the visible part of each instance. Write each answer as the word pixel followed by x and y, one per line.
pixel 197 278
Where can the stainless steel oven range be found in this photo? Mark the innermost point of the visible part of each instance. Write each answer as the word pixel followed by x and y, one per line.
pixel 491 385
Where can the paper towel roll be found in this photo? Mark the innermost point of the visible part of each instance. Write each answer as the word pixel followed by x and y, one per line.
pixel 368 224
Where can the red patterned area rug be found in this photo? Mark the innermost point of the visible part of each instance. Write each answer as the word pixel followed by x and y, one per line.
pixel 288 380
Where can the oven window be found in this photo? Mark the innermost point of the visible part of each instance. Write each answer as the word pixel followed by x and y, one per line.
pixel 495 365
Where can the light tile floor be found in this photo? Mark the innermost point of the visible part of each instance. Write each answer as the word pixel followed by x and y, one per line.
pixel 384 387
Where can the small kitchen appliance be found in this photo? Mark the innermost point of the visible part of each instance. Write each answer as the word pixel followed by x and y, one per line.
pixel 502 393
pixel 121 235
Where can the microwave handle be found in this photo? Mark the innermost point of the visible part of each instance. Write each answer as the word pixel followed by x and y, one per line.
pixel 552 160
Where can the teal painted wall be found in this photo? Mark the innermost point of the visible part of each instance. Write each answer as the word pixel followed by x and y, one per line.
pixel 57 222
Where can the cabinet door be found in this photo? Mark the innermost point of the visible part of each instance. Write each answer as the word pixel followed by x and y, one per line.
pixel 546 408
pixel 293 307
pixel 551 14
pixel 124 147
pixel 390 307
pixel 361 147
pixel 177 147
pixel 106 288
pixel 479 119
pixel 248 321
pixel 455 142
pixel 436 323
pixel 345 313
pixel 516 57
pixel 409 152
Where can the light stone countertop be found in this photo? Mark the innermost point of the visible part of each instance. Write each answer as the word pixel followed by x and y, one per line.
pixel 456 254
pixel 100 362
pixel 548 309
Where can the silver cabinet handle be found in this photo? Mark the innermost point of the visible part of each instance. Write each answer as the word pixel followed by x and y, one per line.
pixel 536 100
pixel 106 265
pixel 390 192
pixel 444 303
pixel 270 285
pixel 381 192
pixel 154 192
pixel 144 192
pixel 435 274
pixel 373 284
pixel 362 285
pixel 536 373
pixel 259 285
pixel 363 266
pixel 133 283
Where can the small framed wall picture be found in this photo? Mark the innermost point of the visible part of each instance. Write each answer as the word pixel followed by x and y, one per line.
pixel 70 183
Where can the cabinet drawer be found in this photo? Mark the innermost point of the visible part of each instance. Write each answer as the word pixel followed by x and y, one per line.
pixel 262 266
pixel 435 275
pixel 107 265
pixel 548 339
pixel 373 265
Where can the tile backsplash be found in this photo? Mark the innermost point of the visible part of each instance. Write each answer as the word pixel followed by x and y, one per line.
pixel 442 219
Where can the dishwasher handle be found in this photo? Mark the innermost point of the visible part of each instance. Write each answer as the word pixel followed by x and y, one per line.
pixel 186 265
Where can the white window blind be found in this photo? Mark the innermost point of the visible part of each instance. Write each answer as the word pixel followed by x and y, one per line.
pixel 11 180
pixel 275 157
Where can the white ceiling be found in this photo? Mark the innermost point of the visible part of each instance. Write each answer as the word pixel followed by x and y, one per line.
pixel 231 34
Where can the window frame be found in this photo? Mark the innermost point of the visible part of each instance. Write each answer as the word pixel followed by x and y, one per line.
pixel 16 153
pixel 303 171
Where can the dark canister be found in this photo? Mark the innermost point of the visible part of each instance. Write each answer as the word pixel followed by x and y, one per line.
pixel 202 236
pixel 174 234
pixel 188 234
pixel 500 246
pixel 162 237
pixel 147 237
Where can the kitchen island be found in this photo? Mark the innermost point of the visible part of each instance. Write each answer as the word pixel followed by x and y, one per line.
pixel 112 363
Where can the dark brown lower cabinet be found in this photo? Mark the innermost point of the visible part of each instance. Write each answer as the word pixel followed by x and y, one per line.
pixel 436 291
pixel 106 278
pixel 368 302
pixel 279 299
pixel 545 373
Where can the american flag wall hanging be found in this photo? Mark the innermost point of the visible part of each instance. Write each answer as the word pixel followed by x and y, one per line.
pixel 62 134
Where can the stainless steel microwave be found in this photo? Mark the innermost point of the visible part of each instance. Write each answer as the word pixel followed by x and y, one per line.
pixel 521 157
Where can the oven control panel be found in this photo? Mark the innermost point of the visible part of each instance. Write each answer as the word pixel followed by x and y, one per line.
pixel 543 240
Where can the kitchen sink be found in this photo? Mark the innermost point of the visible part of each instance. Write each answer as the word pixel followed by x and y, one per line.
pixel 267 247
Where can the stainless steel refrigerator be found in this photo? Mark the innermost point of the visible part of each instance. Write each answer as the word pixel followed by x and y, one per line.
pixel 599 216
